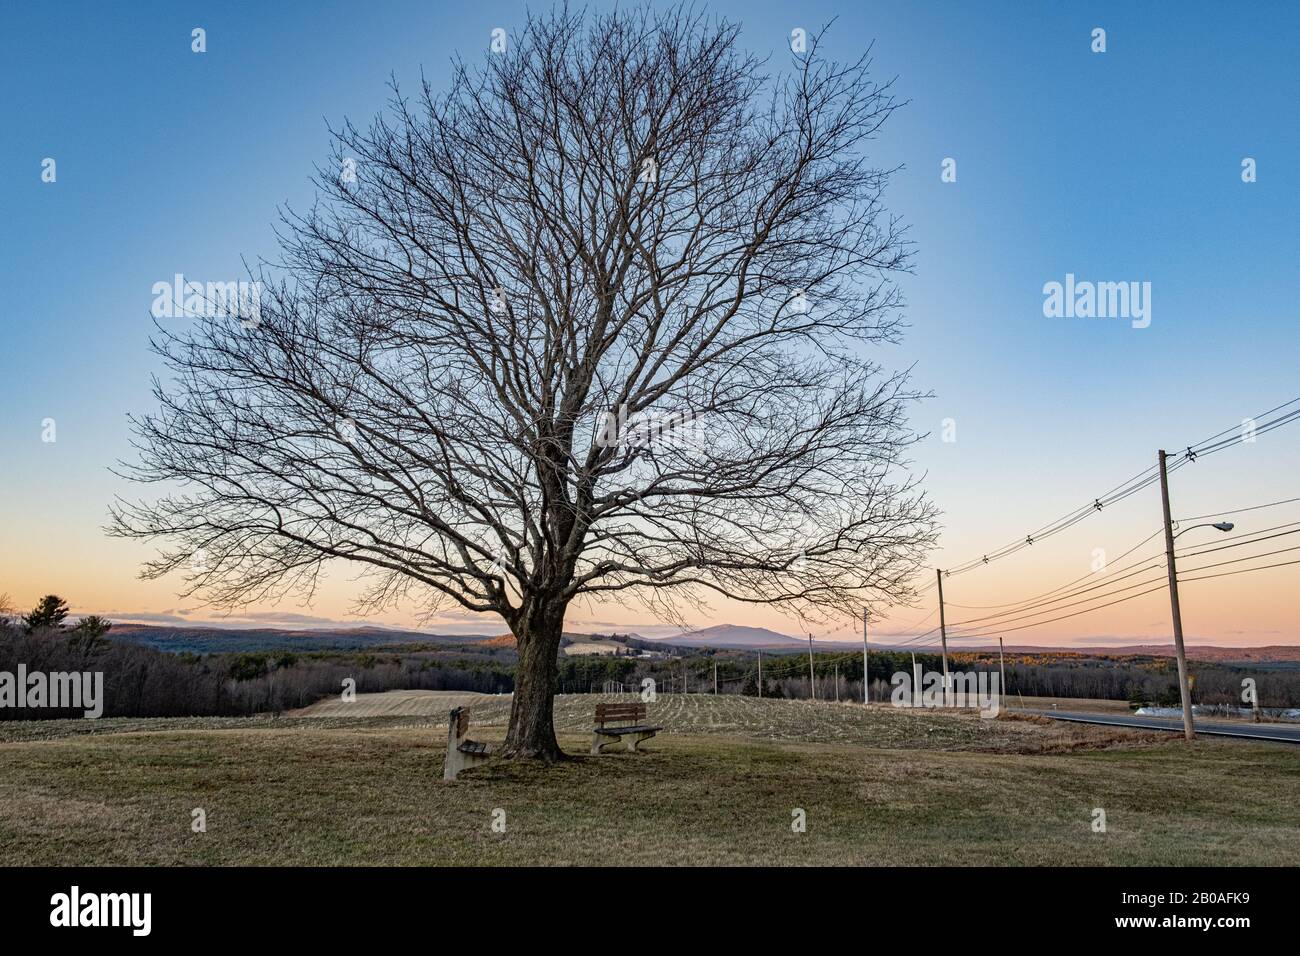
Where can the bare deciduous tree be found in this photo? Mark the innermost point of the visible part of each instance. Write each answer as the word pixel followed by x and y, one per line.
pixel 590 325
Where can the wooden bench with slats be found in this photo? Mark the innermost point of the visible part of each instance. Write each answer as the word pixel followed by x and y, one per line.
pixel 623 723
pixel 462 753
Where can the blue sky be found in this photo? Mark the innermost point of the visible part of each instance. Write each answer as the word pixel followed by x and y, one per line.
pixel 1115 166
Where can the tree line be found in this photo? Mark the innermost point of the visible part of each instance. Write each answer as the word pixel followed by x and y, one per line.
pixel 1139 680
pixel 141 681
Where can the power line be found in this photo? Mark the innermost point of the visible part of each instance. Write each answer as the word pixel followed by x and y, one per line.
pixel 1049 602
pixel 1248 538
pixel 1045 593
pixel 1063 617
pixel 1095 597
pixel 1138 482
pixel 1224 574
pixel 918 637
pixel 1133 485
pixel 1237 511
pixel 1237 428
pixel 909 646
pixel 1251 535
pixel 1249 557
pixel 915 624
pixel 1113 575
pixel 1209 446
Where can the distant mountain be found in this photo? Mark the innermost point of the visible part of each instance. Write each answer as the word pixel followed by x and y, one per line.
pixel 1273 653
pixel 732 635
pixel 223 640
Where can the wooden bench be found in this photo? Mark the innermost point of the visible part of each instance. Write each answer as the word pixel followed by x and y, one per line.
pixel 630 727
pixel 462 753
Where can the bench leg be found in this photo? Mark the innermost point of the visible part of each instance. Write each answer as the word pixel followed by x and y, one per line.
pixel 452 765
pixel 457 760
pixel 634 739
pixel 600 741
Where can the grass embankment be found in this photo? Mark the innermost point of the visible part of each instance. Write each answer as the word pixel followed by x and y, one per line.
pixel 878 787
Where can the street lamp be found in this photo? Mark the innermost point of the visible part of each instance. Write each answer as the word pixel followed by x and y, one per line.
pixel 1184 684
pixel 1184 691
pixel 1221 525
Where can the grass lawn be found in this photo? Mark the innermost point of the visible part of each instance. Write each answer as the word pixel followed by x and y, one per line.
pixel 878 787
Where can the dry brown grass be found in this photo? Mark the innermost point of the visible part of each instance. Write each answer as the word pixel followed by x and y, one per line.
pixel 393 703
pixel 931 789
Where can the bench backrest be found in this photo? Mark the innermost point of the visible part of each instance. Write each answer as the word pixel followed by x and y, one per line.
pixel 608 712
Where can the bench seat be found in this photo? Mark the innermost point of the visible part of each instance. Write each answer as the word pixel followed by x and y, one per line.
pixel 619 731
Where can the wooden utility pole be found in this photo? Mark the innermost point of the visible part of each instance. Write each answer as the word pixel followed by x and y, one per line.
pixel 866 673
pixel 1183 690
pixel 1002 667
pixel 760 675
pixel 943 635
pixel 715 677
pixel 812 676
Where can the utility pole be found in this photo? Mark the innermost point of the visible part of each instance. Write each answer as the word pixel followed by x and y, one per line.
pixel 715 677
pixel 943 636
pixel 812 676
pixel 1183 690
pixel 1002 667
pixel 760 675
pixel 866 673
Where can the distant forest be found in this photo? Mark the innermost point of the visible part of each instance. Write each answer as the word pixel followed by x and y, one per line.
pixel 1137 679
pixel 142 681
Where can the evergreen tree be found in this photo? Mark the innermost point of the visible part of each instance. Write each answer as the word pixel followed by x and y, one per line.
pixel 87 635
pixel 49 613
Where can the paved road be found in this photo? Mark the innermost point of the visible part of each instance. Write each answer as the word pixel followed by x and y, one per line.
pixel 1281 733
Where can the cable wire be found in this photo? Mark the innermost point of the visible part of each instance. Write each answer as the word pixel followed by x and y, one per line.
pixel 1143 479
pixel 1022 627
pixel 1224 574
pixel 1237 511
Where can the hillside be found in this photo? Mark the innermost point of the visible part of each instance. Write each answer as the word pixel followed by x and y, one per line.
pixel 734 636
pixel 221 640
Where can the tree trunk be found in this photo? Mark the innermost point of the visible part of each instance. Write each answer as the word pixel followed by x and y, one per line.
pixel 532 723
